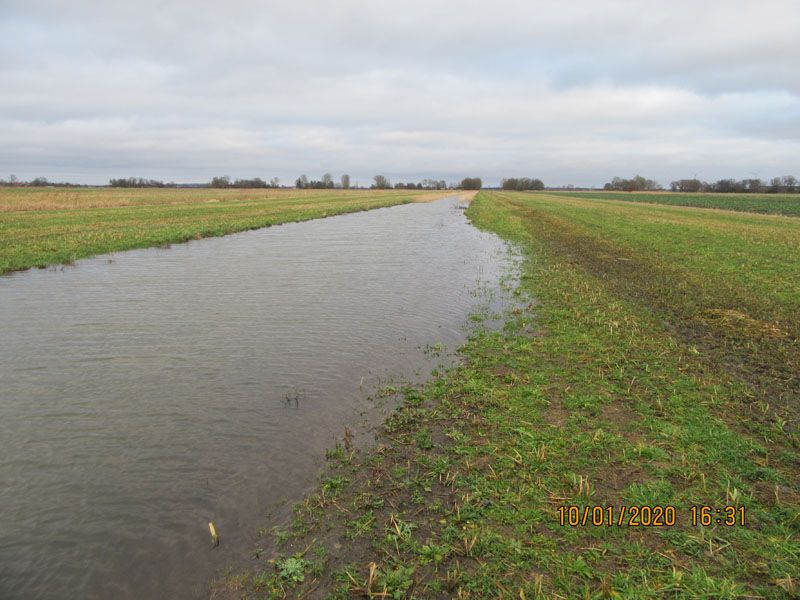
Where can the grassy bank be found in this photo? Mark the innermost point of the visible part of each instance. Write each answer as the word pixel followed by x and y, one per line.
pixel 45 226
pixel 776 204
pixel 656 367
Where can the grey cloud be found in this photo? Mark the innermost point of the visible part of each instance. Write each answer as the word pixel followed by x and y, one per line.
pixel 569 92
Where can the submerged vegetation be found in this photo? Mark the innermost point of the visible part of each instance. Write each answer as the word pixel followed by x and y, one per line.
pixel 46 226
pixel 650 360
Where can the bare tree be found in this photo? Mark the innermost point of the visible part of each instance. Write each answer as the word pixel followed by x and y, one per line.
pixel 686 185
pixel 221 182
pixel 138 182
pixel 250 183
pixel 345 181
pixel 471 183
pixel 381 182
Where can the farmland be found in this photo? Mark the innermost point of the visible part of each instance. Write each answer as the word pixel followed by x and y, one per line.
pixel 650 359
pixel 776 204
pixel 48 226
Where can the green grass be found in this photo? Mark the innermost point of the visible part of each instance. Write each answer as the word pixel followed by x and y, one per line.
pixel 777 204
pixel 41 227
pixel 651 360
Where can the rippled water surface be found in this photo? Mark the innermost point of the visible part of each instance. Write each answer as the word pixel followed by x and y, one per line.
pixel 145 394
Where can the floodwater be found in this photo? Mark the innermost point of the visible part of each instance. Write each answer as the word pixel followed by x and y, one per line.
pixel 147 393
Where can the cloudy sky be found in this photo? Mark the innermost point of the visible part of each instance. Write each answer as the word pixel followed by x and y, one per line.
pixel 571 92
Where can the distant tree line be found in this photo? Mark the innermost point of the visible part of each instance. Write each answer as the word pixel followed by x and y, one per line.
pixel 434 184
pixel 225 182
pixel 635 184
pixel 14 181
pixel 788 184
pixel 521 184
pixel 326 183
pixel 139 182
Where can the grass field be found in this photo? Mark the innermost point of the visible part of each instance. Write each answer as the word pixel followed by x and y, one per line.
pixel 652 361
pixel 776 204
pixel 46 226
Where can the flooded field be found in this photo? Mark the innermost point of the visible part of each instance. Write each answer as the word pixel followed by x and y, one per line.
pixel 147 393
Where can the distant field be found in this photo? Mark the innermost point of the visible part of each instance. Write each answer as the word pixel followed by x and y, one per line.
pixel 46 226
pixel 775 204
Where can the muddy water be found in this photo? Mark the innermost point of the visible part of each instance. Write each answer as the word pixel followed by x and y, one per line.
pixel 145 394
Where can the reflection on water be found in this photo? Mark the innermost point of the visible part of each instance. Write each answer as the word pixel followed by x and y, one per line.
pixel 144 395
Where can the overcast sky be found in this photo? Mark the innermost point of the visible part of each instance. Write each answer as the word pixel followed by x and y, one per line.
pixel 569 91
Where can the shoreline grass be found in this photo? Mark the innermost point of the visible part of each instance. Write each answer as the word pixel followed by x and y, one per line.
pixel 43 227
pixel 609 390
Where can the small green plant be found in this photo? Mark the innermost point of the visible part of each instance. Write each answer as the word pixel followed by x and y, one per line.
pixel 387 390
pixel 399 529
pixel 335 453
pixel 368 501
pixel 334 485
pixel 361 525
pixel 292 569
pixel 394 583
pixel 423 439
pixel 433 553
